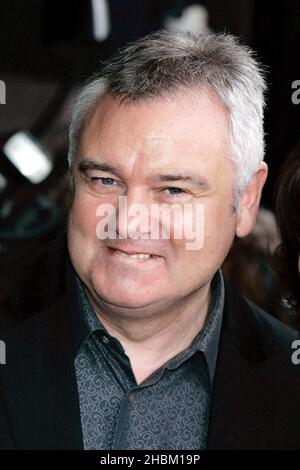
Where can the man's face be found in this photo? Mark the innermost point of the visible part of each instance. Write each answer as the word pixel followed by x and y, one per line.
pixel 146 151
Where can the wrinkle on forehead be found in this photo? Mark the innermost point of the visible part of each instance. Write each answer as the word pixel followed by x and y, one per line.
pixel 148 135
pixel 150 148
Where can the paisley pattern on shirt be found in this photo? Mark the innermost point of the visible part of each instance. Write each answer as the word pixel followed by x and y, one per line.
pixel 169 410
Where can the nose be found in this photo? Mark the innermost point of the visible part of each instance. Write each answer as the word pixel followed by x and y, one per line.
pixel 133 215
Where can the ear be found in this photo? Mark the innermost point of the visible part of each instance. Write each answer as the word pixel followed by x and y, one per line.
pixel 249 202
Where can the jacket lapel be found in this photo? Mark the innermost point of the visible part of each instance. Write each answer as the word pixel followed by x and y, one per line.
pixel 254 386
pixel 253 389
pixel 40 390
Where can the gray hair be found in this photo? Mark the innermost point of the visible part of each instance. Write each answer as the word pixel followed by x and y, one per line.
pixel 164 62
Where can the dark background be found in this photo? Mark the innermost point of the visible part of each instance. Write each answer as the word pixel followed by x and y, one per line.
pixel 47 49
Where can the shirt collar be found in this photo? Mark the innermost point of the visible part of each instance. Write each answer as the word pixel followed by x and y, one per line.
pixel 88 320
pixel 206 341
pixel 209 337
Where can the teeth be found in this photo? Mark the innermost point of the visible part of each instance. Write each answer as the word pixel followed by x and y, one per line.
pixel 137 256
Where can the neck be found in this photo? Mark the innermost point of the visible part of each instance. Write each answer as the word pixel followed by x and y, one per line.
pixel 151 340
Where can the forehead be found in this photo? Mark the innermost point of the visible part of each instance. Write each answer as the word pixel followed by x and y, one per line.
pixel 181 129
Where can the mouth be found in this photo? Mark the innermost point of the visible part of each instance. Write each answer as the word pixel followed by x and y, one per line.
pixel 135 256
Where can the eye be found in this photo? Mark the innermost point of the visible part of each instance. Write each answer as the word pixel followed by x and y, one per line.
pixel 104 181
pixel 173 191
pixel 104 185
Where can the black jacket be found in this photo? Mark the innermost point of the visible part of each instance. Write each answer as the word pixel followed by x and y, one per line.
pixel 256 393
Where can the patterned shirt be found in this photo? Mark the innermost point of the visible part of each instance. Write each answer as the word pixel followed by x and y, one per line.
pixel 169 410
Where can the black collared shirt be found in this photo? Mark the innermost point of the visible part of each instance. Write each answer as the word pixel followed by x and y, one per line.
pixel 168 410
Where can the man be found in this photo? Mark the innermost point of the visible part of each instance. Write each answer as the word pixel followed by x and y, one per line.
pixel 133 340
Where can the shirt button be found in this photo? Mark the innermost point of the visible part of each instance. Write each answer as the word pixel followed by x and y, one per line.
pixel 131 398
pixel 105 339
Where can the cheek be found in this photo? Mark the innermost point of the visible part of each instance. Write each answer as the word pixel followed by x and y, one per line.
pixel 82 216
pixel 186 226
pixel 213 235
pixel 220 226
pixel 206 227
pixel 82 234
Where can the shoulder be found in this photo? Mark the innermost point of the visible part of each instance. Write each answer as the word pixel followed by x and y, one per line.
pixel 30 280
pixel 281 332
pixel 249 323
pixel 19 261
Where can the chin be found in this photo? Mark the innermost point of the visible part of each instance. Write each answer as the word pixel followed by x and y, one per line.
pixel 121 296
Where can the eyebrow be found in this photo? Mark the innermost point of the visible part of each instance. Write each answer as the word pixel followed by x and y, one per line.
pixel 86 165
pixel 197 180
pixel 201 182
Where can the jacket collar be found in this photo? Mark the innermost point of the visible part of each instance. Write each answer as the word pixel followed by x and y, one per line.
pixel 254 386
pixel 40 389
pixel 39 382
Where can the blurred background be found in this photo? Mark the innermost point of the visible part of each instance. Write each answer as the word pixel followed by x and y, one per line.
pixel 48 48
